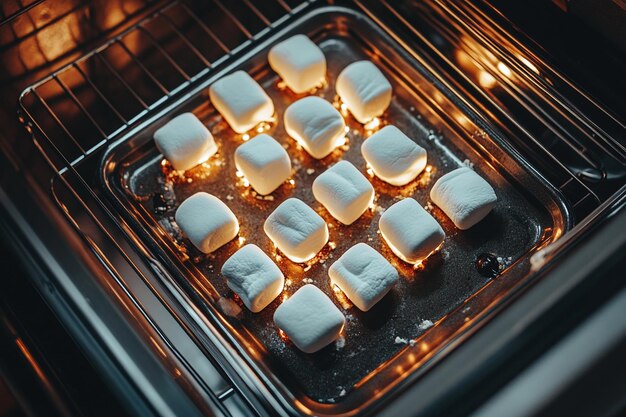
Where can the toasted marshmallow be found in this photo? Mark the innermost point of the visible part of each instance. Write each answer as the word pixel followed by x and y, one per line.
pixel 252 275
pixel 241 101
pixel 364 89
pixel 316 125
pixel 344 191
pixel 310 319
pixel 263 162
pixel 185 141
pixel 299 62
pixel 297 230
pixel 393 156
pixel 207 221
pixel 364 275
pixel 464 196
pixel 410 231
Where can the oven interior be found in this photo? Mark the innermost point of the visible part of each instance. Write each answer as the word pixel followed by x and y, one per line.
pixel 466 93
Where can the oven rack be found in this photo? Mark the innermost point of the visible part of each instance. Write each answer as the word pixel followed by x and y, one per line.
pixel 77 111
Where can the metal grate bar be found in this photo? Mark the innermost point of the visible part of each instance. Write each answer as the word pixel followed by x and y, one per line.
pixel 99 92
pixel 234 19
pixel 75 99
pixel 205 28
pixel 122 80
pixel 257 12
pixel 167 56
pixel 185 39
pixel 137 61
pixel 18 13
pixel 284 5
pixel 57 120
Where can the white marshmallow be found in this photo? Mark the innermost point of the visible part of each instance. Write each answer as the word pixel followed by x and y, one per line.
pixel 252 275
pixel 364 89
pixel 207 221
pixel 264 163
pixel 185 141
pixel 299 62
pixel 310 319
pixel 241 101
pixel 344 191
pixel 393 156
pixel 464 196
pixel 297 230
pixel 316 125
pixel 364 275
pixel 410 231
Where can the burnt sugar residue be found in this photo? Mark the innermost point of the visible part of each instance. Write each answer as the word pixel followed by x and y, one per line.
pixel 487 265
pixel 159 204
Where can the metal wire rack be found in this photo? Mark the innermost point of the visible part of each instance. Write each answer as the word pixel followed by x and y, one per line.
pixel 77 110
pixel 93 99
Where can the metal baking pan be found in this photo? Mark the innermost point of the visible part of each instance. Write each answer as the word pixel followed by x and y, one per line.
pixel 394 342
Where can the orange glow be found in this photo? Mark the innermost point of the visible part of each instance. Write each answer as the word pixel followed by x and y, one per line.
pixel 372 124
pixel 504 69
pixel 344 109
pixel 486 80
pixel 282 335
pixel 31 360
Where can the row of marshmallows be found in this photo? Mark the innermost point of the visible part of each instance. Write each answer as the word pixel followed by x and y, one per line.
pixel 312 121
pixel 298 231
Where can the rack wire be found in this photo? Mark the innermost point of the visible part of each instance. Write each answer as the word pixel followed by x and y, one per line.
pixel 94 99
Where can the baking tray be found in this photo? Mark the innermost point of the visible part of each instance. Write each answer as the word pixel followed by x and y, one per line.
pixel 432 308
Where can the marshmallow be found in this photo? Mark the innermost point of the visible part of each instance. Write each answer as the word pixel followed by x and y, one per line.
pixel 364 275
pixel 310 319
pixel 364 89
pixel 393 156
pixel 264 163
pixel 297 230
pixel 299 62
pixel 410 231
pixel 207 221
pixel 185 141
pixel 241 101
pixel 316 125
pixel 344 191
pixel 252 275
pixel 464 196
